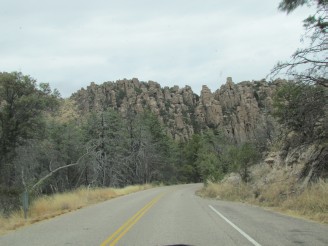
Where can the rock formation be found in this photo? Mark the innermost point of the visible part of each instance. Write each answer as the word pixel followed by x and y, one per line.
pixel 240 110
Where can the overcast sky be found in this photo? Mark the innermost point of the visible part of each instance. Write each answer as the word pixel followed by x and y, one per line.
pixel 174 42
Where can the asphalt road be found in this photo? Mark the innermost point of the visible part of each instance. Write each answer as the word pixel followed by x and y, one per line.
pixel 170 216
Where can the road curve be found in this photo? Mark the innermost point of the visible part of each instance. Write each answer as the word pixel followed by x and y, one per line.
pixel 170 216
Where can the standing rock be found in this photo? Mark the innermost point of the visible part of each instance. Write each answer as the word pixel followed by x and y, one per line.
pixel 239 110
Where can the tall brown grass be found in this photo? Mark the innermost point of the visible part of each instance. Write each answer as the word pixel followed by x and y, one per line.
pixel 227 191
pixel 310 203
pixel 50 206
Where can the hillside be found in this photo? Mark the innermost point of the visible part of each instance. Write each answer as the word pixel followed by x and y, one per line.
pixel 242 111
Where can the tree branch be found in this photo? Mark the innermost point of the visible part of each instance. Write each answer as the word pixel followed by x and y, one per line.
pixel 58 169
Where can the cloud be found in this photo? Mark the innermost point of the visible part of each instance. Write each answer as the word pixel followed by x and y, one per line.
pixel 71 43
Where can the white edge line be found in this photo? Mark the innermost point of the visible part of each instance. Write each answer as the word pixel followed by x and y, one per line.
pixel 236 227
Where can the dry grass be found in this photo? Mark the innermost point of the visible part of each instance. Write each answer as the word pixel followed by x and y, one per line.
pixel 13 222
pixel 50 206
pixel 311 203
pixel 274 194
pixel 132 189
pixel 227 191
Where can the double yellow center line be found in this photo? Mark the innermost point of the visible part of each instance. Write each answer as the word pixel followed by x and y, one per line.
pixel 120 232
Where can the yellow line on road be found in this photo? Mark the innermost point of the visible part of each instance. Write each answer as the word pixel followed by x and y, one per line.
pixel 120 232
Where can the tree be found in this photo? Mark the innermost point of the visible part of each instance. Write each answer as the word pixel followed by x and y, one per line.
pixel 40 167
pixel 187 167
pixel 209 166
pixel 105 130
pixel 248 155
pixel 309 65
pixel 300 108
pixel 209 162
pixel 66 140
pixel 242 157
pixel 22 105
pixel 149 149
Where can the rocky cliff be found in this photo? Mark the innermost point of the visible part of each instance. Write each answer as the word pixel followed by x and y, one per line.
pixel 241 110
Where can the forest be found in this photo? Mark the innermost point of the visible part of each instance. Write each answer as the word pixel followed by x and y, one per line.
pixel 46 147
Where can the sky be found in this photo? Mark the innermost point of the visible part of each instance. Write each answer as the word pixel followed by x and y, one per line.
pixel 69 44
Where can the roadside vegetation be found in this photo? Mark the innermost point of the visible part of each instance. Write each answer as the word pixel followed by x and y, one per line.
pixel 45 207
pixel 310 203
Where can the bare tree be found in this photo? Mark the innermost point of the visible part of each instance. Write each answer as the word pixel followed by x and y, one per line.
pixel 43 179
pixel 308 65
